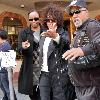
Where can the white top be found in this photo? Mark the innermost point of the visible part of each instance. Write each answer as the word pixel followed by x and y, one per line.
pixel 45 50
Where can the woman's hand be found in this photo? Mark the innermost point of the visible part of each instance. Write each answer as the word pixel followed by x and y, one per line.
pixel 25 44
pixel 51 32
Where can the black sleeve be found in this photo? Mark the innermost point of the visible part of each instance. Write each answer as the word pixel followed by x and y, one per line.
pixel 93 31
pixel 21 38
pixel 92 49
pixel 63 42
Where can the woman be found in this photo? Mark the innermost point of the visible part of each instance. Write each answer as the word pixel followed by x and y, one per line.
pixel 54 74
pixel 28 46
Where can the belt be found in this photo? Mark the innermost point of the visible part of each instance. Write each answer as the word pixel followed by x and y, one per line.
pixel 45 73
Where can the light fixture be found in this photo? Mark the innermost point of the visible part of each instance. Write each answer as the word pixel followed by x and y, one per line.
pixel 22 5
pixel 12 18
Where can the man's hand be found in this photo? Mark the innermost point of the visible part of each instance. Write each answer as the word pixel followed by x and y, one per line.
pixel 73 53
pixel 25 44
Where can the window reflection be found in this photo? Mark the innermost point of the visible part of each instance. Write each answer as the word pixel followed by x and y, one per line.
pixel 13 27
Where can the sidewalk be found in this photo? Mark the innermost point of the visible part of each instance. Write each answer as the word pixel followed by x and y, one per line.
pixel 18 95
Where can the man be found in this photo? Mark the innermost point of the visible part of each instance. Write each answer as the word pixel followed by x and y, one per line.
pixel 28 46
pixel 4 82
pixel 54 71
pixel 86 42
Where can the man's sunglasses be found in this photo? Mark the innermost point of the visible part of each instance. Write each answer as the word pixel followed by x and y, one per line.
pixel 50 20
pixel 76 12
pixel 35 19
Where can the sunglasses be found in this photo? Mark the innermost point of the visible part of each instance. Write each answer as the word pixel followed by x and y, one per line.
pixel 50 20
pixel 35 19
pixel 76 12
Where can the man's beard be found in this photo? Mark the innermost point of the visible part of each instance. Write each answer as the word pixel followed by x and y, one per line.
pixel 35 26
pixel 77 22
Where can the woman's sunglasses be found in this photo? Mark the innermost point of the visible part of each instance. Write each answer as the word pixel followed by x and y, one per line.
pixel 50 20
pixel 76 12
pixel 35 19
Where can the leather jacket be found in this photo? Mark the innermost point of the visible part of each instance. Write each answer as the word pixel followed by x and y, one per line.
pixel 91 76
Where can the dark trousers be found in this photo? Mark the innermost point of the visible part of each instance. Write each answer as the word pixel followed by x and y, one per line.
pixel 44 86
pixel 4 85
pixel 36 93
pixel 61 88
pixel 45 89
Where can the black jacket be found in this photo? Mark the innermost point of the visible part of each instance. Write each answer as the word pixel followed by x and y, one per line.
pixel 90 76
pixel 58 66
pixel 26 76
pixel 55 48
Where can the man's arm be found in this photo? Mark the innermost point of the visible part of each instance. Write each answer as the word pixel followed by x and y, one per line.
pixel 93 46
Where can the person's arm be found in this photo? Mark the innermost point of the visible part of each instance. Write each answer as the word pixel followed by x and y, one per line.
pixel 93 31
pixel 94 35
pixel 22 37
pixel 62 40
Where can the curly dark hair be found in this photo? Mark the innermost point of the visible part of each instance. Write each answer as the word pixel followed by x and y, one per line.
pixel 56 13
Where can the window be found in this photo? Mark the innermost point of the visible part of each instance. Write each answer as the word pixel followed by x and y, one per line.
pixel 13 27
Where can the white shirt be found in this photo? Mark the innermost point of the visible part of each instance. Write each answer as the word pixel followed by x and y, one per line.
pixel 45 50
